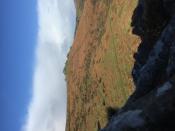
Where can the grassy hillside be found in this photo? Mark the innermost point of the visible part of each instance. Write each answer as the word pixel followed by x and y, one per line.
pixel 98 70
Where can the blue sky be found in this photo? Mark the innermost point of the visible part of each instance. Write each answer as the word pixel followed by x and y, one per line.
pixel 18 32
pixel 35 37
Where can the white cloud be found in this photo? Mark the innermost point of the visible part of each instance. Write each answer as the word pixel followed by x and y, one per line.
pixel 47 109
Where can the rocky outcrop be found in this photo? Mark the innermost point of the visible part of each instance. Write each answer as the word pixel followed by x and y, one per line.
pixel 152 105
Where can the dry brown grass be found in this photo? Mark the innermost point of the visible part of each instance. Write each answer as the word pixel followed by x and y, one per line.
pixel 99 63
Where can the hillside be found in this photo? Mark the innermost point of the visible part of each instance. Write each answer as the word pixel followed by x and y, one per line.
pixel 98 69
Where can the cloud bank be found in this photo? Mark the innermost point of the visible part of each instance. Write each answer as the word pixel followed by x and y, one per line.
pixel 56 24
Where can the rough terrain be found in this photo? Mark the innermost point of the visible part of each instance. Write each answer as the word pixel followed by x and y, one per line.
pixel 102 93
pixel 98 70
pixel 152 105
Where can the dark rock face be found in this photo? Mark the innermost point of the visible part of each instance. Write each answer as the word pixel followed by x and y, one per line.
pixel 152 105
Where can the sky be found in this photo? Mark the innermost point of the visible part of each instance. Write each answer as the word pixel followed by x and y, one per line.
pixel 18 31
pixel 35 37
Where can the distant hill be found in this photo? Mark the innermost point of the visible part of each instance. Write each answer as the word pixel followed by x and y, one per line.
pixel 98 69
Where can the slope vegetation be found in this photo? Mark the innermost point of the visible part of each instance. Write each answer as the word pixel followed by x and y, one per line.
pixel 98 69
